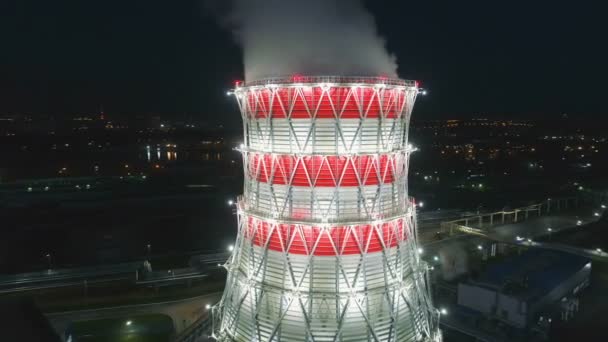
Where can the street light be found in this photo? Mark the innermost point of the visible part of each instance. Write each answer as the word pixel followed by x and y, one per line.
pixel 49 260
pixel 579 222
pixel 599 250
pixel 127 323
pixel 436 258
pixel 549 230
pixel 421 204
pixel 596 214
pixel 230 248
pixel 603 206
pixel 230 202
pixel 207 306
pixel 480 247
pixel 443 311
pixel 420 250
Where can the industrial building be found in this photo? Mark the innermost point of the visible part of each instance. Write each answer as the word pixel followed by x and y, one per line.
pixel 528 288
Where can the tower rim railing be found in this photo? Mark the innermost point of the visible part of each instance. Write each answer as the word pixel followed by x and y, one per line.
pixel 328 80
pixel 388 152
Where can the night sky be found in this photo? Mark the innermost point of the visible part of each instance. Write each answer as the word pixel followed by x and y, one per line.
pixel 508 59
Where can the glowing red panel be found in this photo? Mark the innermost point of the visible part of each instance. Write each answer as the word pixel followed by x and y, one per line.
pixel 329 171
pixel 312 240
pixel 337 102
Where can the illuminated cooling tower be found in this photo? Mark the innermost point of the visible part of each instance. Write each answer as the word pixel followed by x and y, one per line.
pixel 326 247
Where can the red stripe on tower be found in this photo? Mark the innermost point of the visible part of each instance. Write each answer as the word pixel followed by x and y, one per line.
pixel 325 171
pixel 325 103
pixel 325 241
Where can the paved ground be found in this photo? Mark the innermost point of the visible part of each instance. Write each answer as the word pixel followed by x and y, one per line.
pixel 539 225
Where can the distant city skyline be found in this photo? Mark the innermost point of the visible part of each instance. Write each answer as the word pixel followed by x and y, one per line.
pixel 476 59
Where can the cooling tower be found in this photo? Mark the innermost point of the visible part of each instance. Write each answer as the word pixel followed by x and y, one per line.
pixel 326 247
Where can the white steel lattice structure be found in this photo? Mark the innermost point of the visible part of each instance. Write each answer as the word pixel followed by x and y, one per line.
pixel 326 248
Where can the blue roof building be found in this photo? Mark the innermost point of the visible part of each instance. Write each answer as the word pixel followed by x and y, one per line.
pixel 518 290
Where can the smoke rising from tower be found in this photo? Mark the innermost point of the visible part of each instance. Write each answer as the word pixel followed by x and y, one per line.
pixel 312 37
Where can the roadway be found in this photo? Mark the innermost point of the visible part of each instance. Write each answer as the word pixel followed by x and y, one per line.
pixel 56 278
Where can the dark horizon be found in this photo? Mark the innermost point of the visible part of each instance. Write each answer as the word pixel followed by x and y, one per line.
pixel 519 61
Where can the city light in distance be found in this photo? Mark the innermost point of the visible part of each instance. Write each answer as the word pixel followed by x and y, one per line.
pixel 230 248
pixel 207 306
pixel 420 250
pixel 443 311
pixel 549 229
pixel 480 247
pixel 599 250
pixel 128 323
pixel 579 222
pixel 230 202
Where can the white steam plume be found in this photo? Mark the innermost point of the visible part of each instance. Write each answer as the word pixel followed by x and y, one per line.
pixel 308 37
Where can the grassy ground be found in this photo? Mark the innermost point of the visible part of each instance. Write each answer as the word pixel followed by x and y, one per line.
pixel 145 328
